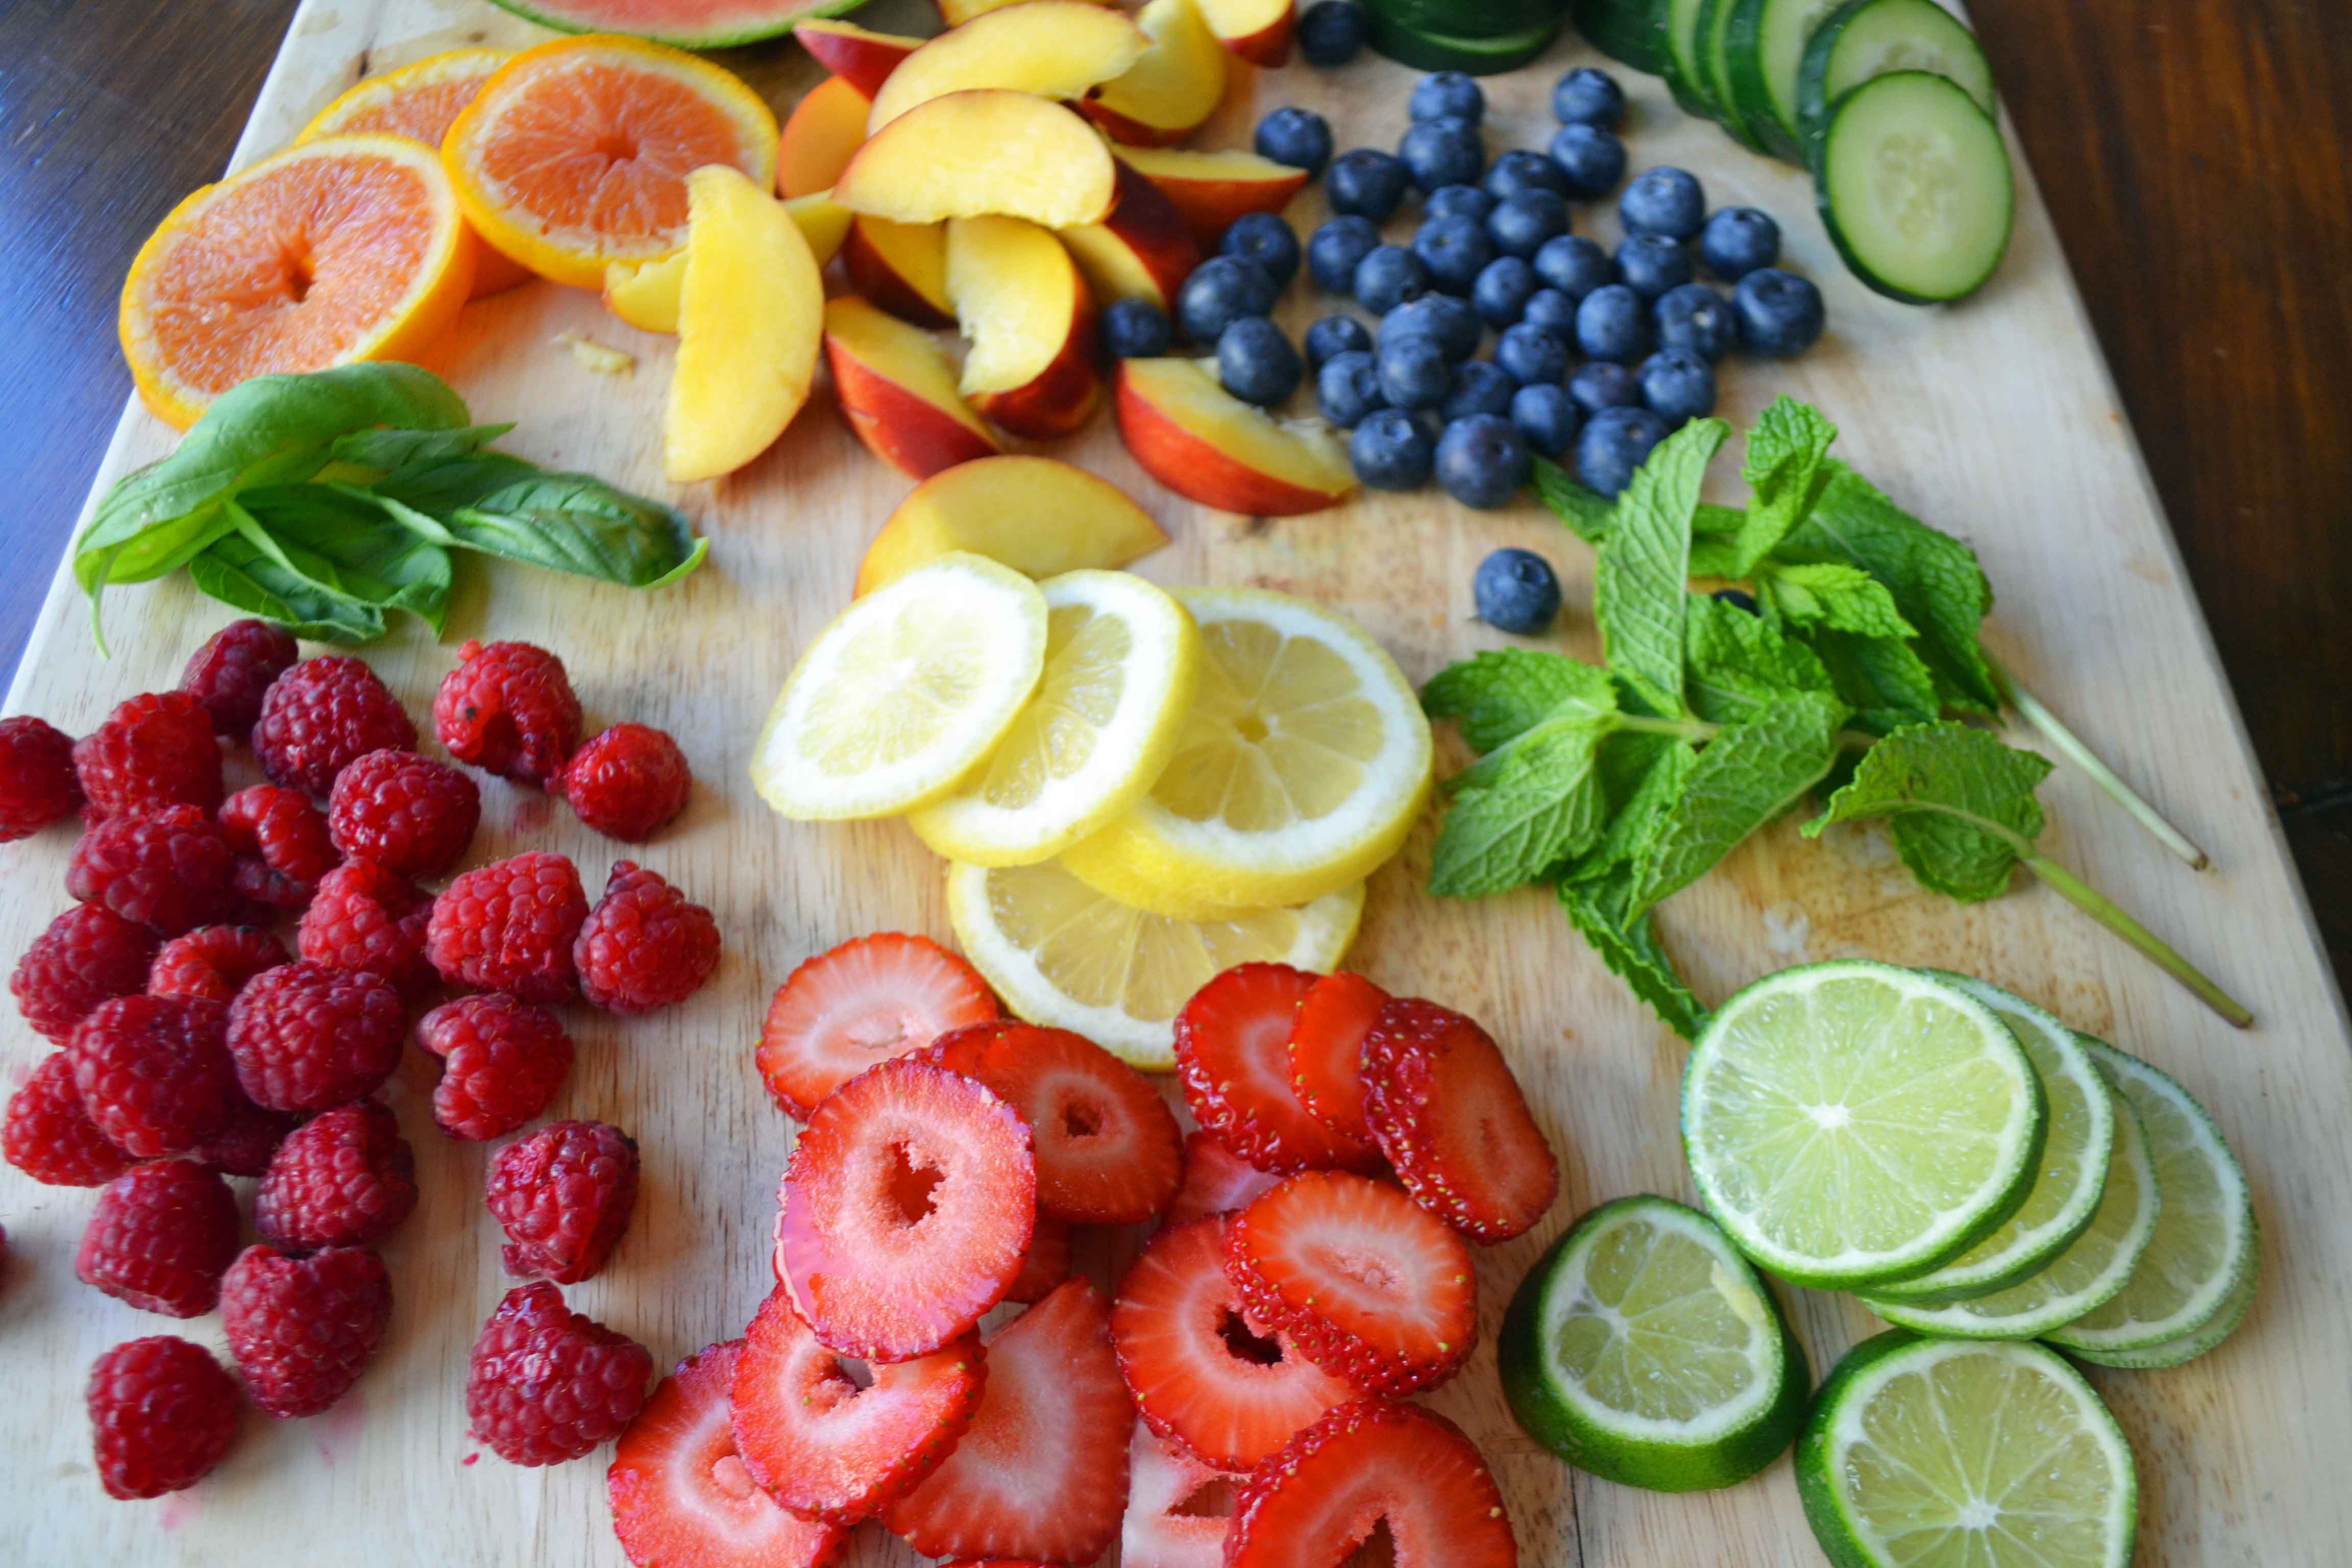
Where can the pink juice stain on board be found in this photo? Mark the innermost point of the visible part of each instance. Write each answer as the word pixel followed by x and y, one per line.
pixel 336 1431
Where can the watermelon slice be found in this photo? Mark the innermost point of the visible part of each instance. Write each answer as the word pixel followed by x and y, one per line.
pixel 687 23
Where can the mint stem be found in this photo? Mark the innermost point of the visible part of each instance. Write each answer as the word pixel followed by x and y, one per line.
pixel 2051 728
pixel 2100 908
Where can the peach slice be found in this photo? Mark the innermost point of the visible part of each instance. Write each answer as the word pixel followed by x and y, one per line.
pixel 859 55
pixel 1177 84
pixel 1031 323
pixel 1142 250
pixel 751 310
pixel 956 13
pixel 988 150
pixel 644 293
pixel 825 223
pixel 1211 189
pixel 898 392
pixel 1056 48
pixel 822 132
pixel 1257 30
pixel 1036 515
pixel 1201 442
pixel 901 267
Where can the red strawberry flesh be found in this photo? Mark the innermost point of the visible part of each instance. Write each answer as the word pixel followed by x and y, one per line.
pixel 863 1002
pixel 1327 1043
pixel 1232 1055
pixel 1216 1180
pixel 1368 1467
pixel 1449 1116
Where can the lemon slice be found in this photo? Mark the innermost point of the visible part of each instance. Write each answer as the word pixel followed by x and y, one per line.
pixel 907 688
pixel 1122 663
pixel 1302 765
pixel 1061 954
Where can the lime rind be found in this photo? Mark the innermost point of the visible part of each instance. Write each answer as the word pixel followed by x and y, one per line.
pixel 2188 1346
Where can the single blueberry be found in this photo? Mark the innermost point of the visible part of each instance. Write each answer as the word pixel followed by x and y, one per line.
pixel 1614 443
pixel 1366 180
pixel 1552 311
pixel 1779 313
pixel 1547 416
pixel 1521 170
pixel 1501 294
pixel 1298 137
pixel 1738 598
pixel 1335 336
pixel 1697 318
pixel 1387 277
pixel 1737 241
pixel 1391 450
pixel 1333 251
pixel 1480 386
pixel 1651 263
pixel 1456 250
pixel 1415 372
pixel 1466 201
pixel 1516 592
pixel 1531 355
pixel 1330 32
pixel 1664 200
pixel 1574 265
pixel 1266 239
pixel 1612 322
pixel 1602 384
pixel 1589 97
pixel 1348 388
pixel 1447 93
pixel 1445 152
pixel 1256 363
pixel 1527 221
pixel 1482 461
pixel 1221 291
pixel 1454 324
pixel 1677 385
pixel 1593 160
pixel 1135 329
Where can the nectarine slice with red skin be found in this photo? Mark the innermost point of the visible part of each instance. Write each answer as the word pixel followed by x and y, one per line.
pixel 901 267
pixel 986 152
pixel 1257 30
pixel 1212 189
pixel 1176 85
pixel 898 392
pixel 644 293
pixel 824 129
pixel 1205 444
pixel 751 310
pixel 1142 250
pixel 956 13
pixel 1056 48
pixel 1040 516
pixel 1030 321
pixel 859 55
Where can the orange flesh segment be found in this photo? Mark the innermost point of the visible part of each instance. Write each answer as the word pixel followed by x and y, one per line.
pixel 604 151
pixel 419 102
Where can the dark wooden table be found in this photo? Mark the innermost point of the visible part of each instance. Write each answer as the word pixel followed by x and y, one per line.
pixel 2194 155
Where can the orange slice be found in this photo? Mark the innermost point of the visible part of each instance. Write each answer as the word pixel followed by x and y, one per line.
pixel 348 247
pixel 575 154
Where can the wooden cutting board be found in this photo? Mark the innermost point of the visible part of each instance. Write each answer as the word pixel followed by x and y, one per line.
pixel 1994 420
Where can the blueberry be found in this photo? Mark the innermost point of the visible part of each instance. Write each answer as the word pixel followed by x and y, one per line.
pixel 1612 322
pixel 1264 239
pixel 1520 170
pixel 1697 318
pixel 1464 201
pixel 1333 251
pixel 1593 160
pixel 1651 263
pixel 1738 598
pixel 1737 241
pixel 1480 386
pixel 1454 324
pixel 1678 386
pixel 1256 363
pixel 1456 250
pixel 1330 32
pixel 1501 294
pixel 1335 336
pixel 1531 355
pixel 1368 180
pixel 1482 461
pixel 1602 384
pixel 1135 329
pixel 1526 221
pixel 1221 291
pixel 1444 94
pixel 1552 311
pixel 1516 592
pixel 1298 137
pixel 1445 152
pixel 1391 450
pixel 1348 388
pixel 1664 200
pixel 1547 416
pixel 1614 443
pixel 1574 265
pixel 1779 313
pixel 1415 372
pixel 1387 277
pixel 1588 97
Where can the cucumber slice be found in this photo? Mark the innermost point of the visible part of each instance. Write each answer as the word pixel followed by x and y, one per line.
pixel 1714 65
pixel 1914 185
pixel 1633 32
pixel 1426 50
pixel 1461 19
pixel 1766 47
pixel 1866 38
pixel 1684 77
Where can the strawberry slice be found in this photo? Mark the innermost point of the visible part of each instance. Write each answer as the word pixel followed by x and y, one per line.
pixel 1042 1474
pixel 1216 1180
pixel 1327 1043
pixel 681 1496
pixel 1367 1283
pixel 1448 1114
pixel 1232 1055
pixel 1198 1371
pixel 826 1448
pixel 1174 1517
pixel 863 1003
pixel 1046 1263
pixel 905 1211
pixel 1364 1465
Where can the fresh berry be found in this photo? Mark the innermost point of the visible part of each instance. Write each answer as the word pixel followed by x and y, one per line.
pixel 302 1329
pixel 153 751
pixel 1330 32
pixel 1232 1055
pixel 1612 322
pixel 1334 250
pixel 1167 1523
pixel 1298 137
pixel 1552 311
pixel 906 1210
pixel 37 785
pixel 563 1196
pixel 344 1179
pixel 163 1412
pixel 1739 599
pixel 1042 1474
pixel 1482 459
pixel 1256 363
pixel 1461 200
pixel 1547 417
pixel 1223 290
pixel 1368 182
pixel 502 1062
pixel 212 962
pixel 1478 387
pixel 509 926
pixel 1589 97
pixel 1374 1288
pixel 49 1134
pixel 84 956
pixel 1348 388
pixel 1677 385
pixel 1367 1465
pixel 1387 277
pixel 1454 324
pixel 509 707
pixel 160 1238
pixel 1516 591
pixel 1737 241
pixel 1613 443
pixel 1698 319
pixel 154 1072
pixel 628 781
pixel 408 814
pixel 1333 336
pixel 1526 221
pixel 828 1449
pixel 1391 450
pixel 860 1004
pixel 1198 1371
pixel 1592 159
pixel 643 945
pixel 1779 313
pixel 321 715
pixel 167 868
pixel 1327 1039
pixel 306 1038
pixel 245 1143
pixel 1135 328
pixel 1266 239
pixel 1454 250
pixel 1603 384
pixel 1501 294
pixel 1519 171
pixel 364 917
pixel 1574 265
pixel 1664 200
pixel 1449 1115
pixel 1652 264
pixel 1443 93
pixel 1046 1263
pixel 1216 1180
pixel 680 1493
pixel 1414 371
pixel 233 668
pixel 546 1383
pixel 280 843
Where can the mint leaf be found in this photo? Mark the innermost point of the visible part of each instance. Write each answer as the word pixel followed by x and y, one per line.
pixel 1738 666
pixel 1962 805
pixel 1640 585
pixel 1642 776
pixel 1883 679
pixel 1829 593
pixel 1505 692
pixel 1585 512
pixel 1749 774
pixel 1629 945
pixel 1543 805
pixel 1783 468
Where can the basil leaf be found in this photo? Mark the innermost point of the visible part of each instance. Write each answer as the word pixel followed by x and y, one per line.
pixel 575 523
pixel 395 450
pixel 237 573
pixel 355 548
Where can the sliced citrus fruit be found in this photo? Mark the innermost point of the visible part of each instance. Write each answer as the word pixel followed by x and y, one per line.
pixel 908 688
pixel 575 153
pixel 1061 954
pixel 348 247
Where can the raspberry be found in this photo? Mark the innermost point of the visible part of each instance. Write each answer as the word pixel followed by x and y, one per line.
pixel 167 869
pixel 229 674
pixel 509 926
pixel 302 1329
pixel 563 1196
pixel 501 1063
pixel 163 1412
pixel 546 1383
pixel 306 1038
pixel 280 843
pixel 319 716
pixel 37 785
pixel 644 946
pixel 153 751
pixel 247 1141
pixel 627 781
pixel 160 1238
pixel 153 1072
pixel 366 918
pixel 214 962
pixel 509 707
pixel 87 954
pixel 403 811
pixel 50 1135
pixel 343 1179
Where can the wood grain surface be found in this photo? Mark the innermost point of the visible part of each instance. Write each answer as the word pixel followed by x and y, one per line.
pixel 1995 420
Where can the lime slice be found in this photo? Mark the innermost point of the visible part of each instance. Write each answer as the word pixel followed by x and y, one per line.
pixel 1964 1454
pixel 2205 1243
pixel 2188 1346
pixel 2074 1155
pixel 1851 1122
pixel 1645 1349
